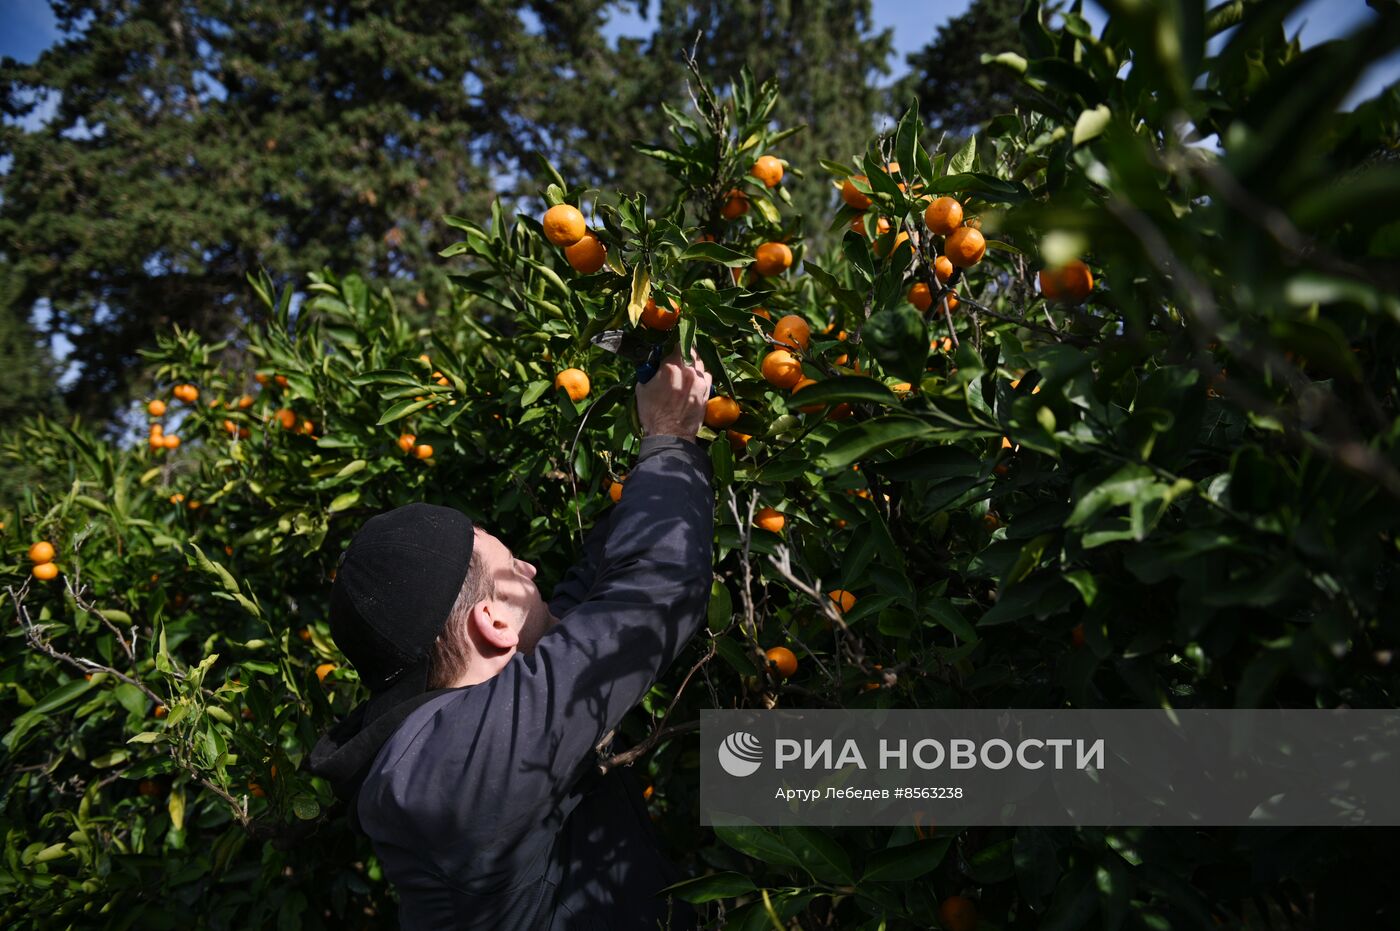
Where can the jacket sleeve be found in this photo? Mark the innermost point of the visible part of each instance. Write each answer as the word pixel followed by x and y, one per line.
pixel 649 594
pixel 573 588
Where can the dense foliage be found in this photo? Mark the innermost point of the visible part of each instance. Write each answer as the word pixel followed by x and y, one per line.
pixel 1166 477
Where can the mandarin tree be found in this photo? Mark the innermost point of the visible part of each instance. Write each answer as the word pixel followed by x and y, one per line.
pixel 1181 491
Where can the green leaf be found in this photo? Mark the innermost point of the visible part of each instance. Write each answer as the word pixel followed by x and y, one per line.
pixel 714 252
pixel 899 338
pixel 722 461
pixel 965 159
pixel 936 462
pixel 641 291
pixel 344 500
pixel 819 854
pixel 860 440
pixel 175 804
pixel 721 607
pixel 990 187
pixel 711 887
pixel 849 388
pixel 949 617
pixel 109 759
pixel 534 391
pixel 306 807
pixel 1091 124
pixel 350 469
pixel 1011 60
pixel 756 842
pixel 905 863
pixel 401 409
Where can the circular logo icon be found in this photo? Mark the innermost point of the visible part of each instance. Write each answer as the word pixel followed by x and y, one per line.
pixel 741 754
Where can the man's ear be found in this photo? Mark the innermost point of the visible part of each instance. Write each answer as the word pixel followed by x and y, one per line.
pixel 494 631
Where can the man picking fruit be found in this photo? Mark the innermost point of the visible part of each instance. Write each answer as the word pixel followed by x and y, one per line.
pixel 472 768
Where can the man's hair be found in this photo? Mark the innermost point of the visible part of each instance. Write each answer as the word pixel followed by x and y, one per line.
pixel 452 649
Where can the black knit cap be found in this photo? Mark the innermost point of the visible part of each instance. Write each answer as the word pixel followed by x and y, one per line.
pixel 394 587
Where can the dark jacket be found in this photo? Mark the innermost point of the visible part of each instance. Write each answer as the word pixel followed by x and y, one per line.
pixel 485 806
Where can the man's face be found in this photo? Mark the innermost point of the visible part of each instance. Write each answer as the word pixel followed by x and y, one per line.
pixel 517 600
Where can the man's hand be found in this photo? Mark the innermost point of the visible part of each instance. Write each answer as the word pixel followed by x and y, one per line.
pixel 673 402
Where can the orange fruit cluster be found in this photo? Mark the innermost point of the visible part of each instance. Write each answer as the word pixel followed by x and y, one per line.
pixel 41 554
pixel 564 226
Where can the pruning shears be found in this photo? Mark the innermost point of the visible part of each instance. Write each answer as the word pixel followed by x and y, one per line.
pixel 630 345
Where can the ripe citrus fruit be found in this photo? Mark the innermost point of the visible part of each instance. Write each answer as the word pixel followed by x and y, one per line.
pixel 1071 282
pixel 965 247
pixel 952 298
pixel 720 412
pixel 170 441
pixel 957 913
pixel 991 521
pixel 943 216
pixel 840 412
pixel 147 787
pixel 45 571
pixel 287 418
pixel 574 381
pixel 768 170
pixel 406 441
pixel 793 332
pixel 245 402
pixel 1076 636
pixel 845 601
pixel 783 660
pixel 156 408
pixel 736 204
pixel 853 197
pixel 781 368
pixel 920 296
pixel 762 312
pixel 942 269
pixel 738 441
pixel 587 254
pixel 41 552
pixel 324 670
pixel 807 408
pixel 423 451
pixel 281 381
pixel 661 318
pixel 563 225
pixel 769 519
pixel 615 492
pixel 772 258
